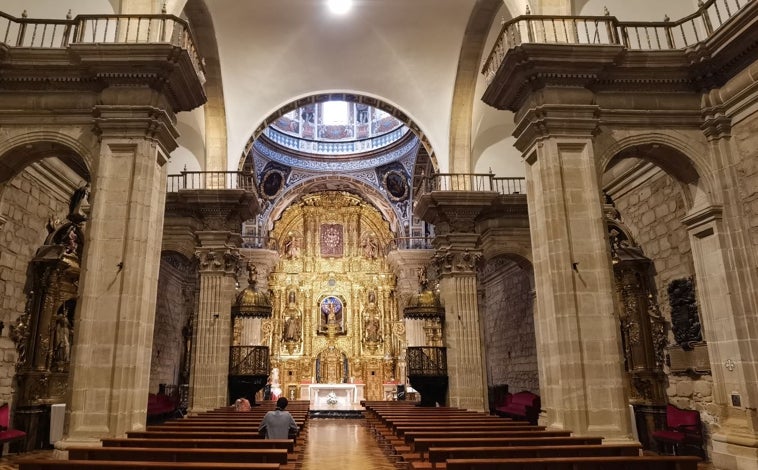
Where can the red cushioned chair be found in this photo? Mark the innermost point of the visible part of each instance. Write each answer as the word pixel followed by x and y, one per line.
pixel 683 428
pixel 7 434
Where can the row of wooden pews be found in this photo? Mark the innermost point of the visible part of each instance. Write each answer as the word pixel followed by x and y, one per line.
pixel 456 439
pixel 219 439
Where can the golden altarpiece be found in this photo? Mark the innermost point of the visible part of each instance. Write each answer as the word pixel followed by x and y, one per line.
pixel 333 295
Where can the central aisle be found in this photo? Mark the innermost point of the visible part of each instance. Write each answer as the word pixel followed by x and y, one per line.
pixel 342 443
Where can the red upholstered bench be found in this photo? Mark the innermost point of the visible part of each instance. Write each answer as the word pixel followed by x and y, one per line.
pixel 522 405
pixel 160 407
pixel 683 428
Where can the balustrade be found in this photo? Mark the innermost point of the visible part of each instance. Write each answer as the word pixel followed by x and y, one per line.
pixel 100 29
pixel 211 180
pixel 608 30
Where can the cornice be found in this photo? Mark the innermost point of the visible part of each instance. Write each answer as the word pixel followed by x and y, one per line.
pixel 94 67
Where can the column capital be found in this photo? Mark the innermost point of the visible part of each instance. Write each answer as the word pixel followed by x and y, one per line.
pixel 457 261
pixel 218 259
pixel 123 122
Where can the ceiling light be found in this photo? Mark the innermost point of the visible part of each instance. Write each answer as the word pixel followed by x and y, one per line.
pixel 340 7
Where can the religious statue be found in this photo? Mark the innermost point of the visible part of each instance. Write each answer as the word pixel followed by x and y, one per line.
pixel 291 329
pixel 62 343
pixel 71 241
pixel 371 329
pixel 370 248
pixel 291 247
pixel 78 201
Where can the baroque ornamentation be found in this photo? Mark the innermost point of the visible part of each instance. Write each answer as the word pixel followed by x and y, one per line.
pixel 465 261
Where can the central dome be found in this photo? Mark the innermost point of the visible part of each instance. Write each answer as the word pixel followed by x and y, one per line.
pixel 336 127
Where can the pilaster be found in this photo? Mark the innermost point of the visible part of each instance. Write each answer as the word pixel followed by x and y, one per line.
pixel 454 214
pixel 116 309
pixel 218 256
pixel 581 368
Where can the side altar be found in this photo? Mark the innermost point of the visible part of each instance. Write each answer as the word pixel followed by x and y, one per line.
pixel 332 396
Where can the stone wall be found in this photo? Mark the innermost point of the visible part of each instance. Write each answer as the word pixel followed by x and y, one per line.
pixel 173 308
pixel 27 202
pixel 508 323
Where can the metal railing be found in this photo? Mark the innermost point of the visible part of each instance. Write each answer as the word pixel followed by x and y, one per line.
pixel 100 29
pixel 248 360
pixel 608 30
pixel 472 182
pixel 259 241
pixel 210 180
pixel 429 361
pixel 409 243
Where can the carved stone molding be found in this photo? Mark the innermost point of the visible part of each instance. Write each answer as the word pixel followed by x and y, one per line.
pixel 452 262
pixel 221 260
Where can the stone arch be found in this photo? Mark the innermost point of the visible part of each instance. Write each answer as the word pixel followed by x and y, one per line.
pixel 674 154
pixel 346 96
pixel 19 151
pixel 332 183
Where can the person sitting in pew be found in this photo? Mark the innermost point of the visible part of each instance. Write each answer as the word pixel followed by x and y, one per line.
pixel 277 424
pixel 242 404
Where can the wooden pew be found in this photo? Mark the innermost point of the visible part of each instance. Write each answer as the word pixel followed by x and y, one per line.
pixel 194 434
pixel 578 463
pixel 158 454
pixel 286 444
pixel 438 455
pixel 422 445
pixel 411 436
pixel 39 464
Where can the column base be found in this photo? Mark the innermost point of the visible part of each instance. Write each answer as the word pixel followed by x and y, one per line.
pixel 60 452
pixel 734 450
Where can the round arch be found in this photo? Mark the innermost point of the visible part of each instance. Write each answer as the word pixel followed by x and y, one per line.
pixel 332 183
pixel 18 152
pixel 678 158
pixel 378 103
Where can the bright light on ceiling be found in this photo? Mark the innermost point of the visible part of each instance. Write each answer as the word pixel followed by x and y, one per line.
pixel 339 7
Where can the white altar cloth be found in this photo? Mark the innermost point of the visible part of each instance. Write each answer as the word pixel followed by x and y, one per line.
pixel 341 396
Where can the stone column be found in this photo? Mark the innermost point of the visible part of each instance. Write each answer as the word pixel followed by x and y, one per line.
pixel 110 364
pixel 579 354
pixel 454 215
pixel 218 256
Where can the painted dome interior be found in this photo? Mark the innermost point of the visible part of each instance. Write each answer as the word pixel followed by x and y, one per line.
pixel 335 127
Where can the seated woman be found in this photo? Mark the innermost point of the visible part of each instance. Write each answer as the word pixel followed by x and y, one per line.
pixel 242 404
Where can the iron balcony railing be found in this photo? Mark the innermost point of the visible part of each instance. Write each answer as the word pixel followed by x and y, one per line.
pixel 211 180
pixel 410 243
pixel 608 30
pixel 430 361
pixel 100 29
pixel 473 182
pixel 248 360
